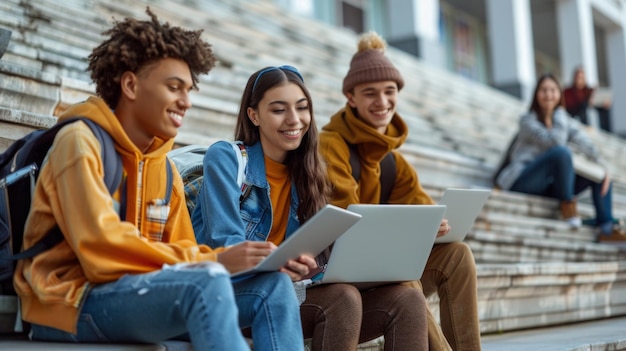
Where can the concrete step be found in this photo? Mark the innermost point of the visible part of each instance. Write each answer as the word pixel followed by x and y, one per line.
pixel 15 124
pixel 454 139
pixel 518 296
pixel 606 334
pixel 21 344
pixel 514 227
pixel 241 36
pixel 597 335
pixel 531 295
pixel 28 89
pixel 537 295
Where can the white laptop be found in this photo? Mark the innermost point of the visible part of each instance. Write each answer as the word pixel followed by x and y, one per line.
pixel 464 205
pixel 311 238
pixel 391 243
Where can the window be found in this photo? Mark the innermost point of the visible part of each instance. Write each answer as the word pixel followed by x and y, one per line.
pixel 352 15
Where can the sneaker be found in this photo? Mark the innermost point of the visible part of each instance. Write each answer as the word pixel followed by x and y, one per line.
pixel 574 222
pixel 615 235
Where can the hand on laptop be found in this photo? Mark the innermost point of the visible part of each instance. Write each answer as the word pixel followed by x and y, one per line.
pixel 245 255
pixel 444 228
pixel 297 269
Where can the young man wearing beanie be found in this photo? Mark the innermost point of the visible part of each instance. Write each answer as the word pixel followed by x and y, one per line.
pixel 369 122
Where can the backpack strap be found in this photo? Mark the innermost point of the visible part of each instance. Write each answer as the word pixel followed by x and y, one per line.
pixel 169 181
pixel 242 158
pixel 506 159
pixel 387 177
pixel 387 171
pixel 355 162
pixel 50 240
pixel 111 161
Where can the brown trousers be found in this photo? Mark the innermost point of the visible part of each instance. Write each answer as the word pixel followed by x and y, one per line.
pixel 339 317
pixel 451 273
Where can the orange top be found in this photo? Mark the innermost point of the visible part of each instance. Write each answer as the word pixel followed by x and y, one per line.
pixel 280 194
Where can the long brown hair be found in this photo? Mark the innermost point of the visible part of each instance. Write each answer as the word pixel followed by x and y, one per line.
pixel 534 106
pixel 577 70
pixel 307 169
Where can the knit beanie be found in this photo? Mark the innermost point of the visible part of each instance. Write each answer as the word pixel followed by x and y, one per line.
pixel 370 64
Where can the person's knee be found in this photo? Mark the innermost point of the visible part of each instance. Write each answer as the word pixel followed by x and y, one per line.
pixel 219 282
pixel 561 154
pixel 561 150
pixel 346 295
pixel 279 280
pixel 200 276
pixel 203 287
pixel 279 287
pixel 337 306
pixel 411 298
pixel 343 299
pixel 404 304
pixel 463 258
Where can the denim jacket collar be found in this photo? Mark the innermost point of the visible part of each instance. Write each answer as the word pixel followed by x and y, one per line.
pixel 255 176
pixel 255 171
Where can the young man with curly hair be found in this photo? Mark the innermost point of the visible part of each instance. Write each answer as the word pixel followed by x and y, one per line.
pixel 142 278
pixel 370 124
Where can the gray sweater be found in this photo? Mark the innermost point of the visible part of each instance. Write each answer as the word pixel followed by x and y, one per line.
pixel 535 139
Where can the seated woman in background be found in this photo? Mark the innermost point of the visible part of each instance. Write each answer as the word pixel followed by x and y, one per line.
pixel 577 97
pixel 540 161
pixel 286 184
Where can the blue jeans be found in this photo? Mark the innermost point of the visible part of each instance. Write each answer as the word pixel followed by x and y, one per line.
pixel 191 303
pixel 551 174
pixel 269 305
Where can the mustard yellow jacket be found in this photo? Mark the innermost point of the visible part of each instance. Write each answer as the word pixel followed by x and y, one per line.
pixel 98 246
pixel 344 127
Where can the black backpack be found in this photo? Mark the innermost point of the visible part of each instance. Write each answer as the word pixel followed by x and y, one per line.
pixel 504 161
pixel 387 172
pixel 19 169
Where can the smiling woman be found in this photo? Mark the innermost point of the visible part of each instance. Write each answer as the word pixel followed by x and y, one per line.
pixel 277 112
pixel 282 117
pixel 286 185
pixel 276 124
pixel 541 161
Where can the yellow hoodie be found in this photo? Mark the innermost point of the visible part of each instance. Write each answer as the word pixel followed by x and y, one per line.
pixel 98 246
pixel 344 127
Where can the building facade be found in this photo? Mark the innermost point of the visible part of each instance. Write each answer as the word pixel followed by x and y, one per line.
pixel 502 43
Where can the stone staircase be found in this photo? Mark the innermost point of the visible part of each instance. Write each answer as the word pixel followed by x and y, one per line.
pixel 584 336
pixel 533 271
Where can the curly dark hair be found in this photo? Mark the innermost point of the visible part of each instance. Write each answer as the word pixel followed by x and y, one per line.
pixel 132 44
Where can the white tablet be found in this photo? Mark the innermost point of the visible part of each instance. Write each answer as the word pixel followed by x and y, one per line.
pixel 311 238
pixel 464 205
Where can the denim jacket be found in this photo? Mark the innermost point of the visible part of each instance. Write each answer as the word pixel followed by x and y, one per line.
pixel 220 218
